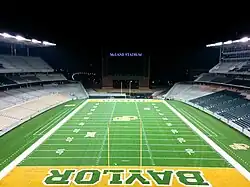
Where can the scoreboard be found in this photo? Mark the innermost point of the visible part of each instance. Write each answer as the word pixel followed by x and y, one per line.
pixel 126 63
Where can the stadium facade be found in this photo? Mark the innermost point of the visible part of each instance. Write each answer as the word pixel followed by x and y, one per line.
pixel 55 133
pixel 125 70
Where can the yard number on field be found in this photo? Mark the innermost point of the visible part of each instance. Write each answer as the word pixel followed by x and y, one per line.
pixel 60 151
pixel 181 140
pixel 169 124
pixel 90 135
pixel 69 139
pixel 81 124
pixel 174 131
pixel 76 130
pixel 189 151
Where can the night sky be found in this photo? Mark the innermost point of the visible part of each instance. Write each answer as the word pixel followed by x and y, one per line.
pixel 176 41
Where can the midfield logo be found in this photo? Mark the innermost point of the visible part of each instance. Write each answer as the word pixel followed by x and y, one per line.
pixel 148 177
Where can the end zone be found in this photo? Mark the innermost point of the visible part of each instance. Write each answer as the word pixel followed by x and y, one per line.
pixel 24 176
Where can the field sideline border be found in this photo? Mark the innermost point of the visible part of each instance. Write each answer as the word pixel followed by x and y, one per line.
pixel 217 148
pixel 28 151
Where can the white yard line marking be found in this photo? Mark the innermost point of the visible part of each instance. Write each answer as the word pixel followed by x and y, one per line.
pixel 125 160
pixel 219 150
pixel 156 158
pixel 106 135
pixel 121 138
pixel 124 144
pixel 51 123
pixel 202 126
pixel 145 136
pixel 129 150
pixel 127 130
pixel 28 151
pixel 136 134
pixel 91 125
pixel 18 150
pixel 45 124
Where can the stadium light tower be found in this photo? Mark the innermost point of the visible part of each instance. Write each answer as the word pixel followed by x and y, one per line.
pixel 234 56
pixel 242 40
pixel 17 39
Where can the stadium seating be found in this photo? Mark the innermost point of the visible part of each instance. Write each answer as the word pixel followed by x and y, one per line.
pixel 185 91
pixel 30 78
pixel 232 65
pixel 17 96
pixel 18 105
pixel 51 77
pixel 223 67
pixel 230 105
pixel 19 64
pixel 224 79
pixel 209 77
pixel 4 81
pixel 205 77
pixel 19 113
pixel 19 79
pixel 240 82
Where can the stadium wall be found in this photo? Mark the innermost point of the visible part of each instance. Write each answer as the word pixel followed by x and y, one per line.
pixel 106 95
pixel 228 122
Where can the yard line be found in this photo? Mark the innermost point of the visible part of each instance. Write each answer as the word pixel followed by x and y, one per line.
pixel 125 150
pixel 92 124
pixel 164 135
pixel 51 123
pixel 161 158
pixel 203 127
pixel 121 138
pixel 145 136
pixel 123 144
pixel 102 145
pixel 46 123
pixel 126 130
pixel 148 118
pixel 106 136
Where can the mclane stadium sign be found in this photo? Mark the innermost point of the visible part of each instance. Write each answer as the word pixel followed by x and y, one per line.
pixel 126 54
pixel 131 177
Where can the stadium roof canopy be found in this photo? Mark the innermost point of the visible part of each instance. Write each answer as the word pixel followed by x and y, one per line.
pixel 17 39
pixel 242 40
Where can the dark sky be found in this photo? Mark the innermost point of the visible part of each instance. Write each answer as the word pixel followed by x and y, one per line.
pixel 175 39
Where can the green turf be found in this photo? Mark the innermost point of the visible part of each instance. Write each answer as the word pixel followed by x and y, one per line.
pixel 222 134
pixel 19 139
pixel 149 140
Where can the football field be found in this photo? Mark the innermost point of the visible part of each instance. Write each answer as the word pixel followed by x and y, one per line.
pixel 131 143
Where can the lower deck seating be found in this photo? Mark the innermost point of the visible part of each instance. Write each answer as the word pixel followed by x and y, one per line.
pixel 231 105
pixel 10 116
pixel 17 105
pixel 187 91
